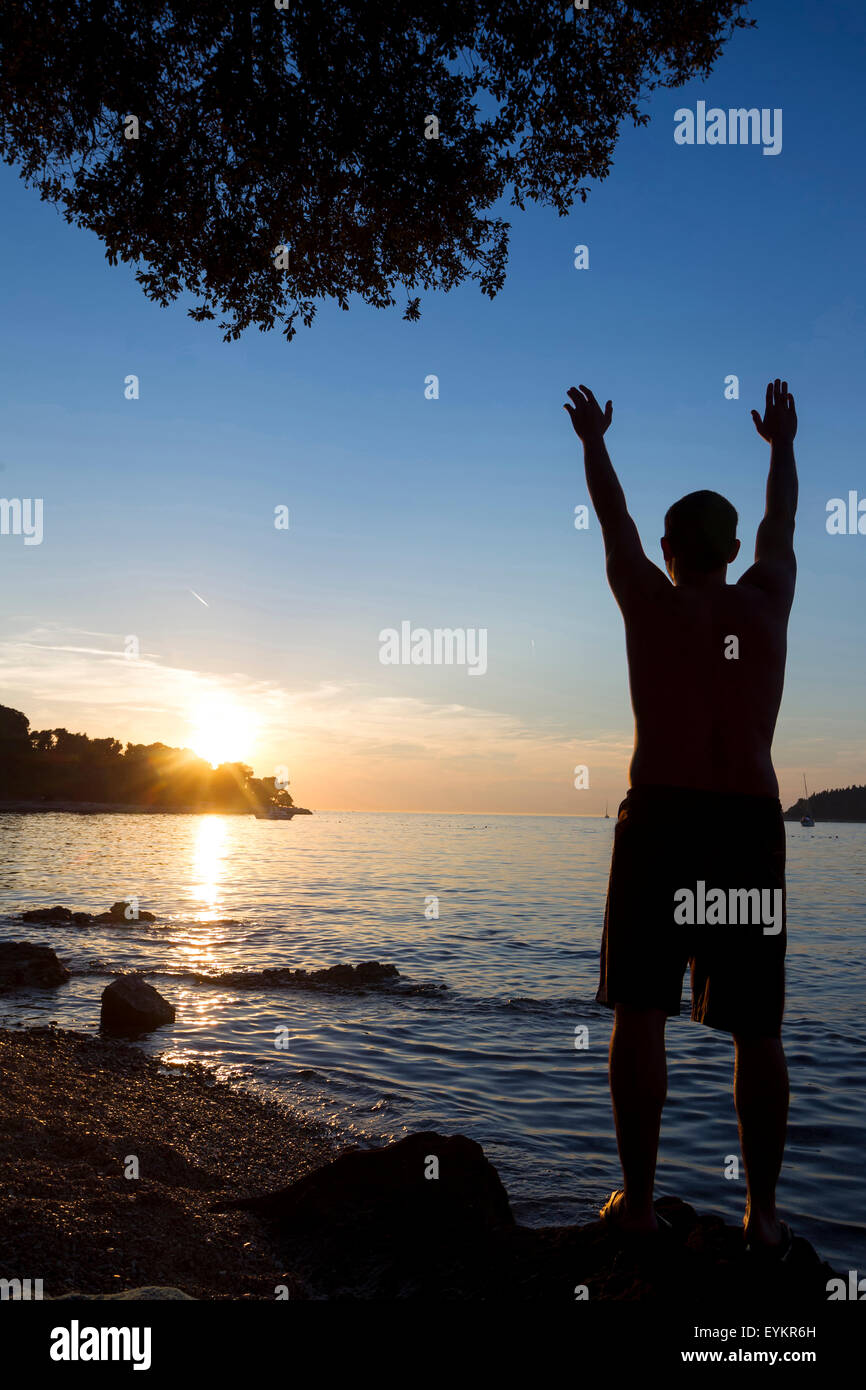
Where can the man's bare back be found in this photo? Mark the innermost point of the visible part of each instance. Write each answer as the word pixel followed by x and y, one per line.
pixel 706 659
pixel 704 719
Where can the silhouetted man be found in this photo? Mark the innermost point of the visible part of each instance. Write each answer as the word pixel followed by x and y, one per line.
pixel 706 667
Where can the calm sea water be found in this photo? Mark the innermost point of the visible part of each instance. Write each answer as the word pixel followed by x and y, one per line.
pixel 509 971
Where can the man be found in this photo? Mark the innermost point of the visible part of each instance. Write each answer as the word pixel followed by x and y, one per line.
pixel 706 668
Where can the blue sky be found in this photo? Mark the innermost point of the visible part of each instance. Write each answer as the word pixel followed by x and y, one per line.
pixel 456 512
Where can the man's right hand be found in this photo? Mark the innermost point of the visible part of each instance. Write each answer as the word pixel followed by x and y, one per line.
pixel 588 418
pixel 779 424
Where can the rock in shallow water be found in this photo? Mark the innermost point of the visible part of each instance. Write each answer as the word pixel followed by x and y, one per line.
pixel 59 915
pixel 130 1005
pixel 368 973
pixel 22 964
pixel 118 913
pixel 44 915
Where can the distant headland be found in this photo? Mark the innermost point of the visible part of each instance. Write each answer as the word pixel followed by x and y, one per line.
pixel 840 804
pixel 54 770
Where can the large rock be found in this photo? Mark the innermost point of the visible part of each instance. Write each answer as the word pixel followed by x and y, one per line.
pixel 130 1005
pixel 432 1178
pixel 23 963
pixel 394 1221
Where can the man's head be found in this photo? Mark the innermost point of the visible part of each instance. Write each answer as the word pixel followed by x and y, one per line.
pixel 700 538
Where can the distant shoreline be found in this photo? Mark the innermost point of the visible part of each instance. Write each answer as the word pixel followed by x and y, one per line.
pixel 102 808
pixel 793 818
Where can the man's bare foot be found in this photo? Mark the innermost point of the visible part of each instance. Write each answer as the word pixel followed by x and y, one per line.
pixel 767 1236
pixel 759 1230
pixel 614 1213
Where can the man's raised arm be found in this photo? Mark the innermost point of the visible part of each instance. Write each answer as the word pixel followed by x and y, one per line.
pixel 775 566
pixel 624 553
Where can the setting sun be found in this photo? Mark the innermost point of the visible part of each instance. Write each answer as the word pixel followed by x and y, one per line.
pixel 222 732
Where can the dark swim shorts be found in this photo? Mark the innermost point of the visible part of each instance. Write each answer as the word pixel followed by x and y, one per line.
pixel 672 848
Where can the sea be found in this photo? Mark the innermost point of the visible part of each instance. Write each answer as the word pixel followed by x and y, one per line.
pixel 491 1029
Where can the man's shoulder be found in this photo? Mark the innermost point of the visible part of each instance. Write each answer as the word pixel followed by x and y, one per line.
pixel 637 582
pixel 769 584
pixel 672 606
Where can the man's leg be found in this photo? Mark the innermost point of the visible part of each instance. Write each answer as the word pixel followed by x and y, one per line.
pixel 761 1098
pixel 638 1086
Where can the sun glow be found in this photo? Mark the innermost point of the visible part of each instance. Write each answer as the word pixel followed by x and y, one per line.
pixel 222 732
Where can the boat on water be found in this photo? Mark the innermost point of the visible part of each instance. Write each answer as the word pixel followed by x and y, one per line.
pixel 807 819
pixel 606 816
pixel 279 812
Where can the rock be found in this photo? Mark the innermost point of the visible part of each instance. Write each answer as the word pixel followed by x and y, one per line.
pixel 117 913
pixel 387 1222
pixel 368 973
pixel 23 963
pixel 150 1292
pixel 465 1189
pixel 130 1005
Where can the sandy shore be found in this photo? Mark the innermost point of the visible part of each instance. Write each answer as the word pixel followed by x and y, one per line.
pixel 73 1107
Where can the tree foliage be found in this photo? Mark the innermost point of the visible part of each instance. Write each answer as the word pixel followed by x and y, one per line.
pixel 836 804
pixel 56 765
pixel 305 127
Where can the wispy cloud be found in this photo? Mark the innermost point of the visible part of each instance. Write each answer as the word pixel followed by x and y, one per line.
pixel 343 735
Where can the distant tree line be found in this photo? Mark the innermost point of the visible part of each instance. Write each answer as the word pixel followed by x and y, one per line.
pixel 55 765
pixel 840 803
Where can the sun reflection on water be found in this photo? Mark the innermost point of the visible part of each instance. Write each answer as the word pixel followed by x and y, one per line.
pixel 208 863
